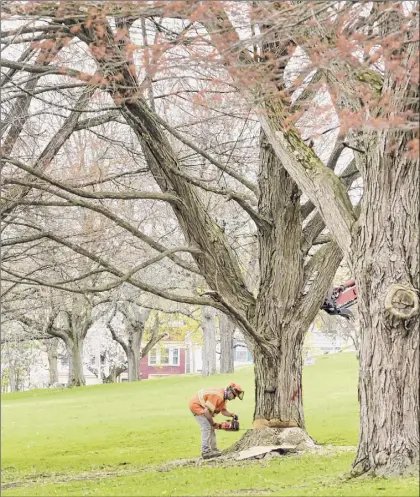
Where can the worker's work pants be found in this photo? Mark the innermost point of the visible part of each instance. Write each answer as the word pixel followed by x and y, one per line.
pixel 208 435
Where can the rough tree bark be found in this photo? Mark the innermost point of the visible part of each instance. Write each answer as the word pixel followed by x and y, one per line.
pixel 133 362
pixel 385 249
pixel 382 246
pixel 226 331
pixel 209 341
pixel 387 443
pixel 387 273
pixel 278 392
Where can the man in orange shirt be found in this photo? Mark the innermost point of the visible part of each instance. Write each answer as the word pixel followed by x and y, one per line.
pixel 205 405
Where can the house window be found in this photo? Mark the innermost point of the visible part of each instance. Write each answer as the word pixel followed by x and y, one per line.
pixel 168 356
pixel 152 357
pixel 164 358
pixel 175 357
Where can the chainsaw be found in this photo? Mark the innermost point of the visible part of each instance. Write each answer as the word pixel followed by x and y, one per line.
pixel 230 425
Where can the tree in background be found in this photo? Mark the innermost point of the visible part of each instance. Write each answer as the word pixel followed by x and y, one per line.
pixel 16 359
pixel 134 320
pixel 51 347
pixel 208 324
pixel 226 334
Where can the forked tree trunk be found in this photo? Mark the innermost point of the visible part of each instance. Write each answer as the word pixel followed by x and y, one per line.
pixel 226 329
pixel 75 354
pixel 387 275
pixel 278 373
pixel 80 320
pixel 134 321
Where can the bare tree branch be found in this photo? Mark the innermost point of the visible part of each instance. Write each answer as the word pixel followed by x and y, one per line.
pixel 223 167
pixel 50 151
pixel 82 193
pixel 26 55
pixel 113 270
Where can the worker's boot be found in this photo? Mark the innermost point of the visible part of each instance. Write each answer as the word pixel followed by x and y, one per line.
pixel 207 455
pixel 217 453
pixel 211 455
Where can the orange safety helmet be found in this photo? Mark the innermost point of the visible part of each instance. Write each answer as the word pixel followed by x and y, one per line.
pixel 237 390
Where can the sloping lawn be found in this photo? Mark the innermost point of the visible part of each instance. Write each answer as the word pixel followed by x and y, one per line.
pixel 108 440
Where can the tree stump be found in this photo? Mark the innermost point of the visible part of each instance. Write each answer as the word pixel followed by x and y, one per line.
pixel 273 436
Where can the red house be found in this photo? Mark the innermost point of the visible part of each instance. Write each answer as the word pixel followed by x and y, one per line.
pixel 167 358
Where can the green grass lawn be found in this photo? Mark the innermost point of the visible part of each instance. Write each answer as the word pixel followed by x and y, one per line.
pixel 107 440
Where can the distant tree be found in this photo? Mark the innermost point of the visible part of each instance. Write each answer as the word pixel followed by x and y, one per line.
pixel 51 347
pixel 208 324
pixel 16 360
pixel 226 333
pixel 134 320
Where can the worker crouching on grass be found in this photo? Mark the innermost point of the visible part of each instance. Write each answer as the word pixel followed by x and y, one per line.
pixel 206 404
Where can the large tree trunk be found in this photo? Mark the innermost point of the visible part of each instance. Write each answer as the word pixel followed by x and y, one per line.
pixel 387 276
pixel 278 384
pixel 226 330
pixel 278 373
pixel 209 341
pixel 287 304
pixel 278 415
pixel 75 354
pixel 133 358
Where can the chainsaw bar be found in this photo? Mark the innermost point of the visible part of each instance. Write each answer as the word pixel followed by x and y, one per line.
pixel 231 425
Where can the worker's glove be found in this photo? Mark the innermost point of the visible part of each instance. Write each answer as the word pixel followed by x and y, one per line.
pixel 235 417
